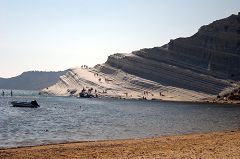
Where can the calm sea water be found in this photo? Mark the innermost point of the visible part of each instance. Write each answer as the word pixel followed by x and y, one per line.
pixel 65 119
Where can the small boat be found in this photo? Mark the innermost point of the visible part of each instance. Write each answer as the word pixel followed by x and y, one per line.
pixel 32 104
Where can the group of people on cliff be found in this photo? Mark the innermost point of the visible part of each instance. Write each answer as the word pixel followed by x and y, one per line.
pixel 88 93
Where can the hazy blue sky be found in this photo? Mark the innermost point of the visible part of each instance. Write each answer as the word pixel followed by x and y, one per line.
pixel 60 34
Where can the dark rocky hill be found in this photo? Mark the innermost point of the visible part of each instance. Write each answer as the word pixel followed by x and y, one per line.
pixel 32 80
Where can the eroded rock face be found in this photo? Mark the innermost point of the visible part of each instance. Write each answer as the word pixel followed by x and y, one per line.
pixel 202 62
pixel 186 69
pixel 215 48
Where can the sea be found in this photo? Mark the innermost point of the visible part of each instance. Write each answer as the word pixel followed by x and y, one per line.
pixel 70 119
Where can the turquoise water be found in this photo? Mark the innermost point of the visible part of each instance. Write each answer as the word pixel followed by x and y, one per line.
pixel 66 119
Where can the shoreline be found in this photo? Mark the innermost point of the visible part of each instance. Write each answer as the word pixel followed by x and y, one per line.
pixel 207 145
pixel 208 101
pixel 118 139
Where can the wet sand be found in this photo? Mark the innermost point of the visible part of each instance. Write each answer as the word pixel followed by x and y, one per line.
pixel 208 145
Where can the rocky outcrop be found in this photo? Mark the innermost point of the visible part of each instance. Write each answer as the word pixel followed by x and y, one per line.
pixel 201 66
pixel 107 81
pixel 215 48
pixel 31 80
pixel 202 62
pixel 168 75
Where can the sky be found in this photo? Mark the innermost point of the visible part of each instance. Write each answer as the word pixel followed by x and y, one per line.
pixel 53 35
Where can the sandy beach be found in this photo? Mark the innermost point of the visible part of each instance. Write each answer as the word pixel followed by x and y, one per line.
pixel 206 145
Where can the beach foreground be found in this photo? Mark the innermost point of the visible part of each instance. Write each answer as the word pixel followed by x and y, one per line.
pixel 209 145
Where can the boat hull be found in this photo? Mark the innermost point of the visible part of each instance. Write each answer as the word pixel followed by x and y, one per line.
pixel 24 104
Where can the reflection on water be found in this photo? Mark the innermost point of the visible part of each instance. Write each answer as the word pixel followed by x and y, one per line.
pixel 61 119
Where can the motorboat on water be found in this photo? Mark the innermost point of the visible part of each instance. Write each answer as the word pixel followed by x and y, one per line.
pixel 32 104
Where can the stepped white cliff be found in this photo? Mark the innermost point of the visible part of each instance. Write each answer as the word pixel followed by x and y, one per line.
pixel 186 69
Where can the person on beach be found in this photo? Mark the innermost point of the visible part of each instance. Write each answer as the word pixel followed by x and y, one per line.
pixel 3 93
pixel 11 93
